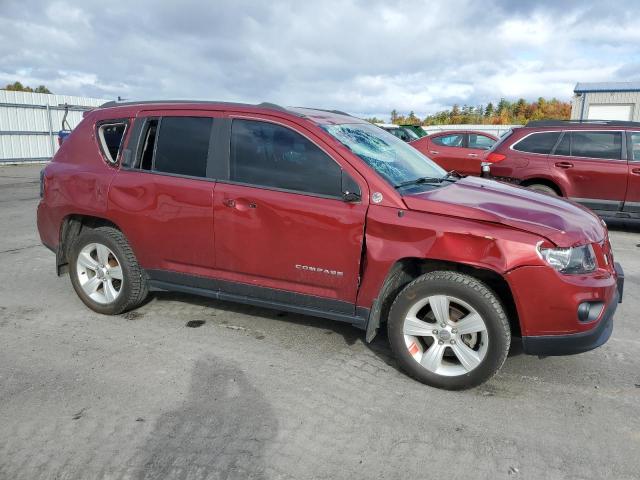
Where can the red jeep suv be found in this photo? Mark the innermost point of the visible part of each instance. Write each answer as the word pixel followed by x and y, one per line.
pixel 595 163
pixel 320 213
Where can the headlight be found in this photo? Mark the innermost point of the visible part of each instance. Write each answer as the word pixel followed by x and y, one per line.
pixel 569 260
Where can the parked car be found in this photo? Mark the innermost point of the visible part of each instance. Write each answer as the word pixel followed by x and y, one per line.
pixel 462 151
pixel 417 129
pixel 595 163
pixel 320 213
pixel 404 133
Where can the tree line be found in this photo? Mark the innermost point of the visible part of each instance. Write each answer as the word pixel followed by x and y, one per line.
pixel 502 113
pixel 18 87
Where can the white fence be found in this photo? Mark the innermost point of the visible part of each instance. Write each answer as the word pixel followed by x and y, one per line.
pixel 29 123
pixel 496 130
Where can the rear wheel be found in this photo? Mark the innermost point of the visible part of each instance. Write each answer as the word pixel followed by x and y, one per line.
pixel 105 273
pixel 449 330
pixel 539 187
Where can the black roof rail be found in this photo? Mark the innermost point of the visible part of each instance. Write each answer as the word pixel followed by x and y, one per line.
pixel 337 112
pixel 563 123
pixel 271 106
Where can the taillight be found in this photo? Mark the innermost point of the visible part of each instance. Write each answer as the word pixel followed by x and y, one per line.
pixel 495 157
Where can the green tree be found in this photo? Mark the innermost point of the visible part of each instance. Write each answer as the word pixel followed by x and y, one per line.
pixel 506 112
pixel 394 116
pixel 503 106
pixel 520 108
pixel 412 119
pixel 42 89
pixel 18 87
pixel 489 111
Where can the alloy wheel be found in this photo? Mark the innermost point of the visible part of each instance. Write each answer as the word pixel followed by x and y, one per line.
pixel 445 335
pixel 99 273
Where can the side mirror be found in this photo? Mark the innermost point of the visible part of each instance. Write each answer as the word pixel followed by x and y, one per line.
pixel 351 197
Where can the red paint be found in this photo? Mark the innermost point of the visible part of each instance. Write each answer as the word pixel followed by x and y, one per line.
pixel 588 180
pixel 208 228
pixel 462 159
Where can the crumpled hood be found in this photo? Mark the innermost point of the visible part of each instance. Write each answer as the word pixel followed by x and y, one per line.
pixel 563 222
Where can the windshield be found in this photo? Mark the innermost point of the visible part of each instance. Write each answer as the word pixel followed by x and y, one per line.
pixel 411 133
pixel 390 157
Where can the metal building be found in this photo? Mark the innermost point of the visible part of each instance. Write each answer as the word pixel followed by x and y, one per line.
pixel 606 101
pixel 29 123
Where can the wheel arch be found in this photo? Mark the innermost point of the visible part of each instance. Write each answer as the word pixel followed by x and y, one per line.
pixel 405 270
pixel 72 225
pixel 544 181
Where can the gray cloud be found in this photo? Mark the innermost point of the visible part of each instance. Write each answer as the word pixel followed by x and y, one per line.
pixel 365 57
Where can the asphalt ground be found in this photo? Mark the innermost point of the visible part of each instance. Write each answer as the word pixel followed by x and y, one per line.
pixel 246 392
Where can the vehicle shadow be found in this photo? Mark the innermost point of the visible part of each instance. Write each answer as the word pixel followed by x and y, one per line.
pixel 349 333
pixel 623 226
pixel 379 346
pixel 220 430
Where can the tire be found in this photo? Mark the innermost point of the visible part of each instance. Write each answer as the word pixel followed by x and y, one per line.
pixel 108 290
pixel 482 344
pixel 538 187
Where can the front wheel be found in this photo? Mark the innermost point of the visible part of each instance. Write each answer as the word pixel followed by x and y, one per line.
pixel 449 330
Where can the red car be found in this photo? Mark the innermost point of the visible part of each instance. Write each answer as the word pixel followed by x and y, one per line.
pixel 595 163
pixel 461 151
pixel 320 213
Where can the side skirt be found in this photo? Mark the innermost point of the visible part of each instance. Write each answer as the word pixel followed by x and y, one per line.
pixel 259 297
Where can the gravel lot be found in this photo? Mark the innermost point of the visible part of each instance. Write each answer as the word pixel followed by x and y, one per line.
pixel 254 393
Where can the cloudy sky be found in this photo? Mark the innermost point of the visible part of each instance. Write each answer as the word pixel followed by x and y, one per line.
pixel 363 56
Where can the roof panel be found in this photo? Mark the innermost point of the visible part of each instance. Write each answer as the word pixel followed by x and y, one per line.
pixel 582 87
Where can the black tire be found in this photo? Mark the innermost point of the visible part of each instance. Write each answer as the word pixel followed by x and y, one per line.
pixel 473 292
pixel 539 187
pixel 134 285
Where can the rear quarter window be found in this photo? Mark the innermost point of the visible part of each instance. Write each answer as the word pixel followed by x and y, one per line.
pixel 110 137
pixel 541 143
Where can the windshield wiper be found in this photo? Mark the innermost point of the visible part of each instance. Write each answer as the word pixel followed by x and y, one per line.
pixel 418 181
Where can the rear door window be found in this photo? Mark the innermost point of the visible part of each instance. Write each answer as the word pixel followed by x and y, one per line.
pixel 183 146
pixel 456 140
pixel 564 147
pixel 635 147
pixel 596 144
pixel 270 155
pixel 541 143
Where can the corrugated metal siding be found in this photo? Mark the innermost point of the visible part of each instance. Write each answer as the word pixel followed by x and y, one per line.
pixel 28 129
pixel 605 98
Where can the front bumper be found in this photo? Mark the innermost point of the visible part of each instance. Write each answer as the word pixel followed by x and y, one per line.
pixel 551 345
pixel 573 343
